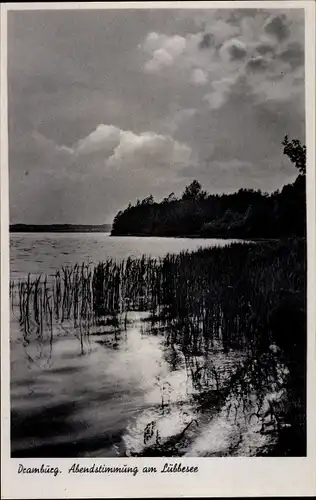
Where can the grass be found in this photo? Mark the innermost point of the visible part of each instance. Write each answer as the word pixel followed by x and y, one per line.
pixel 243 296
pixel 230 295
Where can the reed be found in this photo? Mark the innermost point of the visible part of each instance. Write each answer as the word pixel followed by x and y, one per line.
pixel 243 296
pixel 223 296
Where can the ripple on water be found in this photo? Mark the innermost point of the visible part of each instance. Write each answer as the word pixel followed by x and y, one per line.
pixel 124 401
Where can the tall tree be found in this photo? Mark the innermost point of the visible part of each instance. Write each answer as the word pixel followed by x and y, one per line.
pixel 194 191
pixel 296 152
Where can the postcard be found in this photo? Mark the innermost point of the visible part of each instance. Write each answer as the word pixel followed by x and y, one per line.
pixel 158 249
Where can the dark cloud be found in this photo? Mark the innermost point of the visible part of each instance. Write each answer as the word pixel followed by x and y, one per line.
pixel 207 41
pixel 293 54
pixel 278 26
pixel 235 49
pixel 265 48
pixel 257 64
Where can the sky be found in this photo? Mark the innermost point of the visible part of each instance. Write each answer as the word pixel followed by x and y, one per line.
pixel 107 106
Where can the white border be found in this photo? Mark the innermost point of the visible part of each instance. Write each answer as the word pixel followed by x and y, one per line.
pixel 217 476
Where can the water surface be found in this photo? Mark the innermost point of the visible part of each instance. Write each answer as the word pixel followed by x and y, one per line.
pixel 109 391
pixel 37 253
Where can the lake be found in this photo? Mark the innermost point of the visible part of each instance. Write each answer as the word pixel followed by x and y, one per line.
pixel 38 253
pixel 109 391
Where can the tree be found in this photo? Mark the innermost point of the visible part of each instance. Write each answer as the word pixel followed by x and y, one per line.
pixel 296 153
pixel 117 217
pixel 194 192
pixel 148 201
pixel 170 198
pixel 246 213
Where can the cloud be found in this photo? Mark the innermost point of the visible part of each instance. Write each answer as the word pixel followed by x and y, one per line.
pixel 160 59
pixel 289 87
pixel 220 92
pixel 46 155
pixel 109 148
pixel 178 52
pixel 109 164
pixel 233 50
pixel 261 49
pixel 184 50
pixel 175 120
pixel 163 50
pixel 222 30
pixel 149 151
pixel 206 41
pixel 174 45
pixel 277 26
pixel 104 139
pixel 258 175
pixel 293 54
pixel 257 64
pixel 199 77
pixel 264 48
pixel 153 99
pixel 233 164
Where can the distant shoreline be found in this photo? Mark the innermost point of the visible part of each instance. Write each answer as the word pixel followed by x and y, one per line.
pixel 196 236
pixel 106 228
pixel 59 228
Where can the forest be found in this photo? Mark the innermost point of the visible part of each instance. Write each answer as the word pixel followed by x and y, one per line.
pixel 245 214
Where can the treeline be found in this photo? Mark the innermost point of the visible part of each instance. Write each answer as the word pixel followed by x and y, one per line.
pixel 59 228
pixel 245 214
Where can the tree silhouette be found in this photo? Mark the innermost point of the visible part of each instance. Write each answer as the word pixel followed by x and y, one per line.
pixel 247 213
pixel 194 191
pixel 171 197
pixel 148 201
pixel 296 153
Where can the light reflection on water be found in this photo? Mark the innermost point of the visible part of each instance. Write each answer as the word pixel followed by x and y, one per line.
pixel 37 253
pixel 115 393
pixel 99 403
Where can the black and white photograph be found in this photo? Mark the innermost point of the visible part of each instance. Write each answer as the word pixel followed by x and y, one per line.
pixel 157 165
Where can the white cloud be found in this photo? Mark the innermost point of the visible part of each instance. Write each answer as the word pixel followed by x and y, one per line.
pixel 110 149
pixel 149 151
pixel 103 139
pixel 174 45
pixel 263 49
pixel 199 77
pixel 102 171
pixel 220 91
pixel 163 50
pixel 160 59
pixel 222 30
